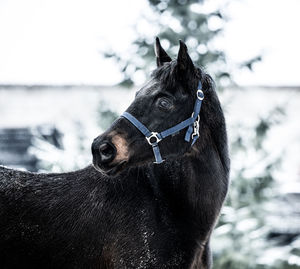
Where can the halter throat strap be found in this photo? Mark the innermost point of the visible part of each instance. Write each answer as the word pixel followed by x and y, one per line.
pixel 153 138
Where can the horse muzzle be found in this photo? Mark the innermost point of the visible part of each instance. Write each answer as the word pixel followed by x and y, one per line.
pixel 105 157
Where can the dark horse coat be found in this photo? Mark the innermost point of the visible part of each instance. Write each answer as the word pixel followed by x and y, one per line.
pixel 128 212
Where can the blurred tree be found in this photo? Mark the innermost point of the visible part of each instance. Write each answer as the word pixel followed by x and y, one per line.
pixel 174 20
pixel 105 115
pixel 242 237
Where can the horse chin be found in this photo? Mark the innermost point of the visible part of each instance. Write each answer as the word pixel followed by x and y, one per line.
pixel 111 170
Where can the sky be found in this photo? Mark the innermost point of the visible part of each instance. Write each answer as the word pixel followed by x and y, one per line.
pixel 59 41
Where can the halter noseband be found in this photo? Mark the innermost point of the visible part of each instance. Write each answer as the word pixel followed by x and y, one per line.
pixel 153 138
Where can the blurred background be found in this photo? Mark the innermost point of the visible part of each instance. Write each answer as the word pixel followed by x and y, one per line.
pixel 68 68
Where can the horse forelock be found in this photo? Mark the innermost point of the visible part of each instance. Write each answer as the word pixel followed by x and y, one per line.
pixel 169 77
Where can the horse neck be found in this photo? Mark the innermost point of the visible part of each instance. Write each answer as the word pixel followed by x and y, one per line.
pixel 194 185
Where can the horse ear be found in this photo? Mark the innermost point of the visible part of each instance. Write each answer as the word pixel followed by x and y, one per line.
pixel 184 61
pixel 161 56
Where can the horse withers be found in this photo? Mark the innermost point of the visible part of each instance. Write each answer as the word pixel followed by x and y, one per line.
pixel 150 200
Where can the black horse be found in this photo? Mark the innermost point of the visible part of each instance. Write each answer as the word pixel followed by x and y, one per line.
pixel 128 212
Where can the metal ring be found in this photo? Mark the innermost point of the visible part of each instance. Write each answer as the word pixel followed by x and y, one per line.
pixel 201 97
pixel 155 135
pixel 193 135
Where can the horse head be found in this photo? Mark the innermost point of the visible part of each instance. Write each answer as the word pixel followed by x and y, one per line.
pixel 166 100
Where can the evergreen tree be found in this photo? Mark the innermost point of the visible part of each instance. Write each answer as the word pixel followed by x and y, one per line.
pixel 173 20
pixel 242 236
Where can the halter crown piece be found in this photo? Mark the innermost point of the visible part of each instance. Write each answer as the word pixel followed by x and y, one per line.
pixel 153 138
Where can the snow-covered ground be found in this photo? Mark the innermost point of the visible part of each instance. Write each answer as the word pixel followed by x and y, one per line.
pixel 75 112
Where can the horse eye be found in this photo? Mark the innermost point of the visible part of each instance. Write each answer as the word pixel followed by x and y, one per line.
pixel 164 103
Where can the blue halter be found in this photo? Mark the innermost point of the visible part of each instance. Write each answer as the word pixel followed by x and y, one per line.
pixel 153 138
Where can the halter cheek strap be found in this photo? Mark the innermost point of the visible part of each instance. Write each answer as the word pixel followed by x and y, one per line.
pixel 153 138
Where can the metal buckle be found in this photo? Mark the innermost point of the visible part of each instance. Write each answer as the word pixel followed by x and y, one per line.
pixel 153 135
pixel 196 127
pixel 200 94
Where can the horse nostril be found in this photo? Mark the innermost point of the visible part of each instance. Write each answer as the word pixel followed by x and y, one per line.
pixel 106 149
pixel 107 152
